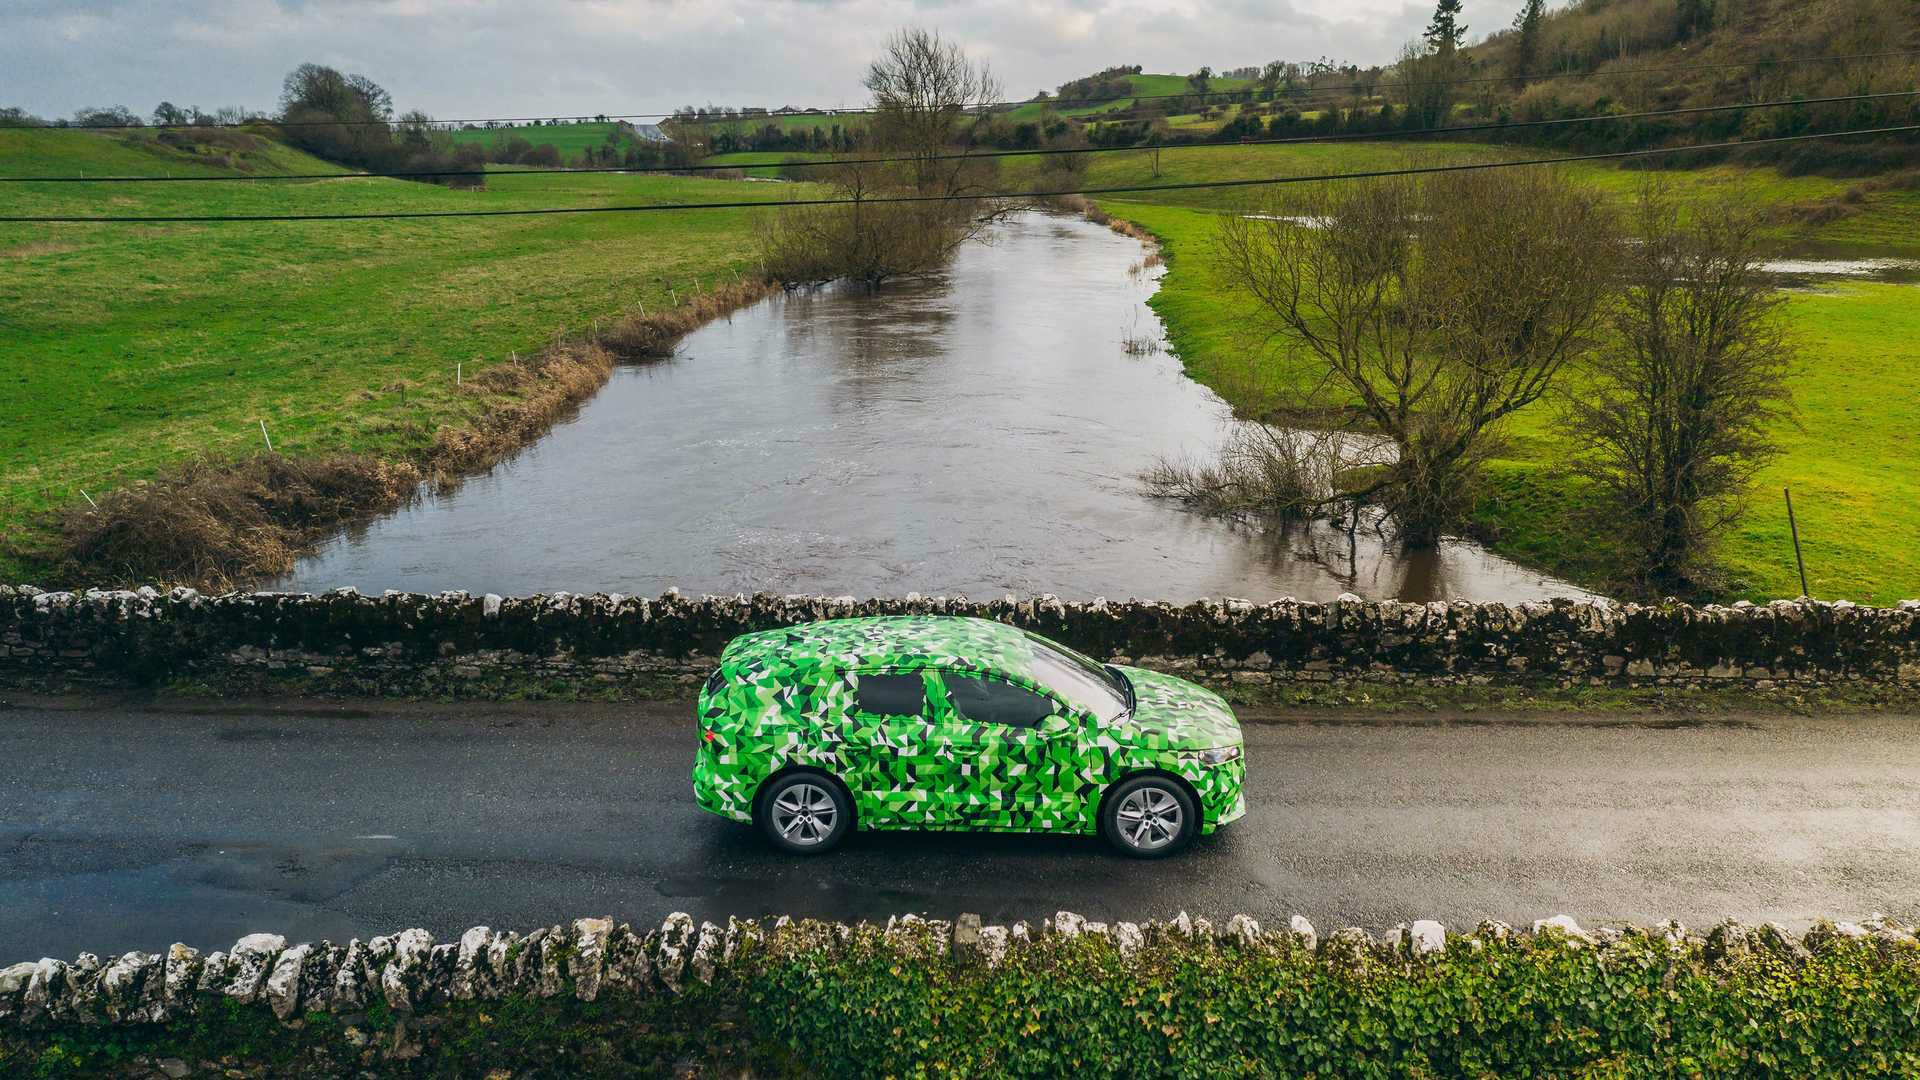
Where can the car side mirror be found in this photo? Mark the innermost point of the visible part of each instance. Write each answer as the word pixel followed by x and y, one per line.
pixel 1055 725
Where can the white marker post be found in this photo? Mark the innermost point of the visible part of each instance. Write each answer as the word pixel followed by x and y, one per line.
pixel 265 437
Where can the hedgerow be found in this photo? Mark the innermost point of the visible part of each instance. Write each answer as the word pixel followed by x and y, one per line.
pixel 870 1003
pixel 1541 1007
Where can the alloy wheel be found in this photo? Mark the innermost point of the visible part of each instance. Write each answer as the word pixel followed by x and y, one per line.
pixel 1148 819
pixel 804 814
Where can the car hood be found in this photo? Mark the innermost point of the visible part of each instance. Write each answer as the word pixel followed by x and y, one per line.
pixel 1175 713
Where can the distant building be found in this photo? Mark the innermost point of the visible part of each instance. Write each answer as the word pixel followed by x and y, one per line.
pixel 650 133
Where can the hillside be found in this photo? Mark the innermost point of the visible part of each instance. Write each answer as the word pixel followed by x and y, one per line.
pixel 1607 36
pixel 1631 55
pixel 1153 88
pixel 184 152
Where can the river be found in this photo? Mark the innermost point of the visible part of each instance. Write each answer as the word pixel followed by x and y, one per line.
pixel 975 433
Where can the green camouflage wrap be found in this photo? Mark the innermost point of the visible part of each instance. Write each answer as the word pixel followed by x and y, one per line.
pixel 786 698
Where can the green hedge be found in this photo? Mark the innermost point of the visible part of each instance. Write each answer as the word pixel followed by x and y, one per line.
pixel 1527 1009
pixel 1530 1007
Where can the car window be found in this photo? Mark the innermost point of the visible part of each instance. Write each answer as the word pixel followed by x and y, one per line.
pixel 990 701
pixel 890 695
pixel 1078 679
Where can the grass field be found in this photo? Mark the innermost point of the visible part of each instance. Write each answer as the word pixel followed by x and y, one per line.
pixel 124 349
pixel 1853 462
pixel 756 163
pixel 1149 86
pixel 569 139
pixel 47 152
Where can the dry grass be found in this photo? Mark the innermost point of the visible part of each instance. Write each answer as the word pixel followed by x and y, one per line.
pixel 35 248
pixel 217 523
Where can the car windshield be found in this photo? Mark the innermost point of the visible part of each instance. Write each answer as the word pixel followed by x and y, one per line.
pixel 1084 683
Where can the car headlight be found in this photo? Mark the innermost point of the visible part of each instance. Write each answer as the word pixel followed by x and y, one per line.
pixel 1219 755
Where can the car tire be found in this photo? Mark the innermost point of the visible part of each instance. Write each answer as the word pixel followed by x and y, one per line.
pixel 804 813
pixel 1149 817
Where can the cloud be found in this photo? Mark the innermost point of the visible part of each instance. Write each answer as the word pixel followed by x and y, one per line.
pixel 472 58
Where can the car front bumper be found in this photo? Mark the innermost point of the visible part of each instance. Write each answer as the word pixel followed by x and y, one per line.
pixel 1222 789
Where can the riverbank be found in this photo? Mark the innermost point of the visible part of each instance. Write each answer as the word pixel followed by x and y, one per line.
pixel 143 361
pixel 1853 460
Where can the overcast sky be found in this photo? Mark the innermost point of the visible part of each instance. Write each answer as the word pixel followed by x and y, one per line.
pixel 479 58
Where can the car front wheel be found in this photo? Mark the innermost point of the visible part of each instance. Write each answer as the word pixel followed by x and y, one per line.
pixel 1149 817
pixel 804 813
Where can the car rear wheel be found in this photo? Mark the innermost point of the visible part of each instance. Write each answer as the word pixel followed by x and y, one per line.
pixel 1149 817
pixel 804 813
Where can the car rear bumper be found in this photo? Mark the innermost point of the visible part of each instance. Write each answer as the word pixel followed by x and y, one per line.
pixel 718 788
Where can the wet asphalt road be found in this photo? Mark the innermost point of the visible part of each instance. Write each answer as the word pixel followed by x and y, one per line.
pixel 134 825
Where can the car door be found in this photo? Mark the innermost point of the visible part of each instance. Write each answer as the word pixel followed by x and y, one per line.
pixel 894 766
pixel 1005 746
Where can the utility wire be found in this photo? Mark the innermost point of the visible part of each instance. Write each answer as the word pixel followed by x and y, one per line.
pixel 770 114
pixel 983 154
pixel 390 215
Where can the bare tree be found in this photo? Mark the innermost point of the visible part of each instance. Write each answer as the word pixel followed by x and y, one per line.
pixel 1435 309
pixel 1681 417
pixel 1426 84
pixel 926 97
pixel 925 91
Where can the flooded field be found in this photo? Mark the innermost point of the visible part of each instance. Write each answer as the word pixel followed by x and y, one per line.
pixel 977 433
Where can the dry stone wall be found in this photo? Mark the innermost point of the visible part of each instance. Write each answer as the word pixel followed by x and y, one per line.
pixel 458 643
pixel 410 973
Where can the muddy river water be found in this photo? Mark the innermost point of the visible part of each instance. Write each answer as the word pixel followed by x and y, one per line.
pixel 977 433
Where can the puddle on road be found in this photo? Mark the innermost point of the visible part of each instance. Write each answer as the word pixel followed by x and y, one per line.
pixel 977 433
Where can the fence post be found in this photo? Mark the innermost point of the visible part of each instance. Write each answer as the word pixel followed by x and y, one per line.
pixel 1798 559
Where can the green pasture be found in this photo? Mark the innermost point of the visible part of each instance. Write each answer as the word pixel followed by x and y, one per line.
pixel 761 163
pixel 1853 459
pixel 1148 86
pixel 125 348
pixel 53 152
pixel 569 139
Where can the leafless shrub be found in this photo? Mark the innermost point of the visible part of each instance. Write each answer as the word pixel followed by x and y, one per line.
pixel 1265 470
pixel 223 522
pixel 1682 415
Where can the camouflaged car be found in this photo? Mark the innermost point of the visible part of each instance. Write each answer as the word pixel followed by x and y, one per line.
pixel 910 722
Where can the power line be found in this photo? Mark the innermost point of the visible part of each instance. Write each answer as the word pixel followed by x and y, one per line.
pixel 983 154
pixel 985 197
pixel 975 107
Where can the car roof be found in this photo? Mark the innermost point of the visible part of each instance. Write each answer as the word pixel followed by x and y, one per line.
pixel 890 640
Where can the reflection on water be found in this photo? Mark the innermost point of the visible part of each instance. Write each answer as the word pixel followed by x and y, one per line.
pixel 978 433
